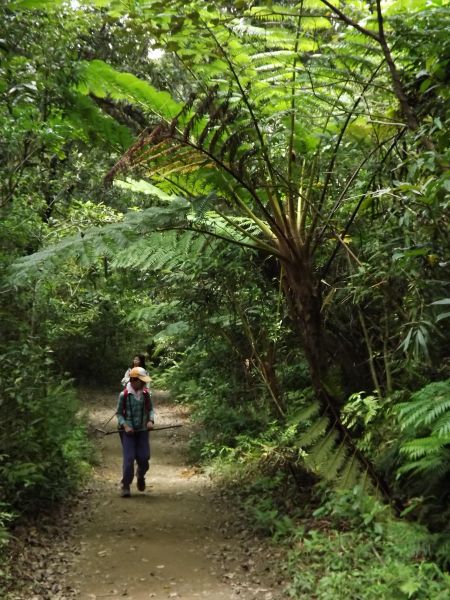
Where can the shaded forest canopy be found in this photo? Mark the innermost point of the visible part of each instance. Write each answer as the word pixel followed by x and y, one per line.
pixel 254 194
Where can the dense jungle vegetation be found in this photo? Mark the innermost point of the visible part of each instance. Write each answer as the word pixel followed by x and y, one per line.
pixel 256 194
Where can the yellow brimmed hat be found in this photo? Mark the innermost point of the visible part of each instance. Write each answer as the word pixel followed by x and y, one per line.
pixel 140 373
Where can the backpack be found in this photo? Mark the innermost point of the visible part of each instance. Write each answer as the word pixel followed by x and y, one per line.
pixel 147 401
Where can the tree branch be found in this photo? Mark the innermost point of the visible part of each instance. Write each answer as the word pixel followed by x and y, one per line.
pixel 350 21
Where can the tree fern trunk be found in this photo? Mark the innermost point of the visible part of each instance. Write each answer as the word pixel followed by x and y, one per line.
pixel 303 292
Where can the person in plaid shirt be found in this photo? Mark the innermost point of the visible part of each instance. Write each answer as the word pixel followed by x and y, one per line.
pixel 135 417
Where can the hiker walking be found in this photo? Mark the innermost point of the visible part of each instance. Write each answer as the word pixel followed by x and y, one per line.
pixel 138 361
pixel 135 417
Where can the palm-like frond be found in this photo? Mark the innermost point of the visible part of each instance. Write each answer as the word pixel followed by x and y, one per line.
pixel 426 406
pixel 159 252
pixel 157 239
pixel 101 80
pixel 329 451
pixel 109 240
pixel 425 420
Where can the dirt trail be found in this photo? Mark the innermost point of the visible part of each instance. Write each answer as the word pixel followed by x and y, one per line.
pixel 167 542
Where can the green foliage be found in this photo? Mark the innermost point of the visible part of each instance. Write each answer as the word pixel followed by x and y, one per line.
pixel 49 453
pixel 287 223
pixel 261 508
pixel 229 141
pixel 101 80
pixel 6 516
pixel 337 565
pixel 362 552
pixel 222 410
pixel 425 422
pixel 323 446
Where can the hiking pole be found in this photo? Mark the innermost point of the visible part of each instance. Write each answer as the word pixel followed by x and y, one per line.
pixel 110 419
pixel 137 430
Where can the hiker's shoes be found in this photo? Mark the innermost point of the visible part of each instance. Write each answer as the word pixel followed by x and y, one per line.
pixel 125 491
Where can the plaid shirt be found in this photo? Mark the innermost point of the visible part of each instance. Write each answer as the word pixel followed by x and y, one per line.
pixel 136 415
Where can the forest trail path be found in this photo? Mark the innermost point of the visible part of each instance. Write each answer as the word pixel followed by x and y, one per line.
pixel 166 542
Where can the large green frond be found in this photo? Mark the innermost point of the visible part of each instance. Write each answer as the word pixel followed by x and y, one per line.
pixel 425 406
pixel 109 240
pixel 101 80
pixel 160 252
pixel 425 420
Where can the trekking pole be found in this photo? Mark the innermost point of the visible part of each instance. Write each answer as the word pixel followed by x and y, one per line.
pixel 110 419
pixel 137 430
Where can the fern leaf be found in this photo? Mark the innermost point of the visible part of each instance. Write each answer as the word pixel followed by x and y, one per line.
pixel 314 432
pixel 303 415
pixel 336 463
pixel 432 465
pixel 424 446
pixel 319 454
pixel 173 330
pixel 441 427
pixel 142 187
pixel 102 80
pixel 426 405
pixel 350 473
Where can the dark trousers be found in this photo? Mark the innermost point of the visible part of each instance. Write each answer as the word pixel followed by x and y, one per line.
pixel 135 447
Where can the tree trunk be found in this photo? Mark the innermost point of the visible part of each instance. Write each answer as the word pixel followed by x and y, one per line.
pixel 303 292
pixel 304 298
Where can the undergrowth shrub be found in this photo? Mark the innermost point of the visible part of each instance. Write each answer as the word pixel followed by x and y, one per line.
pixel 5 517
pixel 356 549
pixel 342 545
pixel 45 451
pixel 222 405
pixel 336 565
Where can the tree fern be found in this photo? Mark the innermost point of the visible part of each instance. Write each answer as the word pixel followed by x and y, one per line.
pixel 264 100
pixel 263 132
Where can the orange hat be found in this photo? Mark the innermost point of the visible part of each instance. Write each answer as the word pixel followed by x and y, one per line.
pixel 140 373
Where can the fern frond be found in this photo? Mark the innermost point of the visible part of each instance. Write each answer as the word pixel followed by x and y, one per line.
pixel 94 243
pixel 172 331
pixel 441 427
pixel 102 80
pixel 350 474
pixel 142 187
pixel 433 465
pixel 319 455
pixel 426 405
pixel 335 464
pixel 87 117
pixel 156 252
pixel 424 446
pixel 302 416
pixel 317 429
pixel 428 412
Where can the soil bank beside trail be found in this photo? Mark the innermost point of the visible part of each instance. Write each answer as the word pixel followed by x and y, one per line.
pixel 169 541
